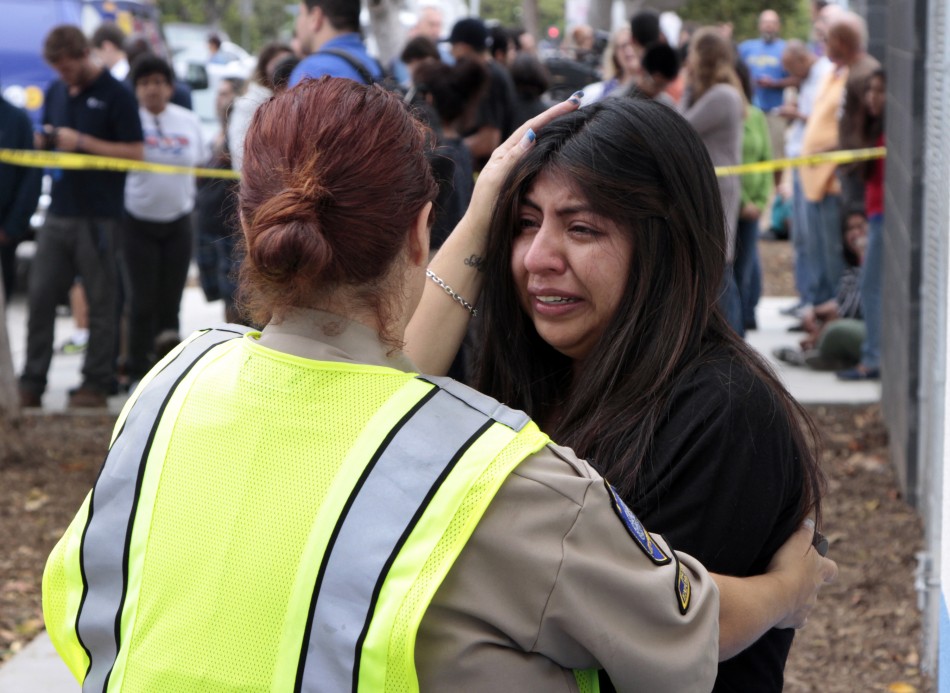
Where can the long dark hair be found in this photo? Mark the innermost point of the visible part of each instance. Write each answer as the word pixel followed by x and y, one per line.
pixel 455 89
pixel 873 126
pixel 642 166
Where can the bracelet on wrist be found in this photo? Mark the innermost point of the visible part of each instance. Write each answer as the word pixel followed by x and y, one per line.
pixel 451 292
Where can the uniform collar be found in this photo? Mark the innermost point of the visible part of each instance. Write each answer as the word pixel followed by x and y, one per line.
pixel 323 336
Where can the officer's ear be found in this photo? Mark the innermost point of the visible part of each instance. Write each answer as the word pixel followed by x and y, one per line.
pixel 419 236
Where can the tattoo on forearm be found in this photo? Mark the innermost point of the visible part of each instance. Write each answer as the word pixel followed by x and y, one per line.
pixel 474 261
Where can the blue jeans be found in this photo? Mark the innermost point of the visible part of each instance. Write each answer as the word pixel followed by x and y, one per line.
pixel 871 279
pixel 800 242
pixel 747 270
pixel 824 246
pixel 729 302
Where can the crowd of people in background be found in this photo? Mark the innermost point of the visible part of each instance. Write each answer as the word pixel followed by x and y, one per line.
pixel 472 83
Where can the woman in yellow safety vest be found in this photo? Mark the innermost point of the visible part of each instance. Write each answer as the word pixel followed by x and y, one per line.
pixel 296 509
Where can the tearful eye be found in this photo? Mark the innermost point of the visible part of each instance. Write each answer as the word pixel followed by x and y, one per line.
pixel 584 230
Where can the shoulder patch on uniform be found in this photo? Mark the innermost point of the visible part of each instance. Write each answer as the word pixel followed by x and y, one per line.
pixel 636 529
pixel 683 587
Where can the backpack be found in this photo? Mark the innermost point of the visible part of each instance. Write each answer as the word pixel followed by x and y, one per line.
pixel 385 80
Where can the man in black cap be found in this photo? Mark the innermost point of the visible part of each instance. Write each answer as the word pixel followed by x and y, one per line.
pixel 494 117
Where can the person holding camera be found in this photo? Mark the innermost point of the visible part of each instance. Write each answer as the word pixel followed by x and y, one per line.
pixel 87 111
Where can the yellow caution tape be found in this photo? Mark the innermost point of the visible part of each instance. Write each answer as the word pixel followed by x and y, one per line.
pixel 71 160
pixel 841 157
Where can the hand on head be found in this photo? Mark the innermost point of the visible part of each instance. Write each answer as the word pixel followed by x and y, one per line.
pixel 803 572
pixel 504 157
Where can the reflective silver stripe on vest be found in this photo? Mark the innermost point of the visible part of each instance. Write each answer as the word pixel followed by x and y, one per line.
pixel 380 516
pixel 512 418
pixel 105 542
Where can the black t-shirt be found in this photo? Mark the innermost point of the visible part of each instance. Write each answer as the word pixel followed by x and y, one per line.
pixel 105 110
pixel 452 167
pixel 527 107
pixel 724 484
pixel 496 108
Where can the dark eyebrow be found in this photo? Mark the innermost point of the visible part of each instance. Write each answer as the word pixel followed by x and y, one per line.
pixel 561 211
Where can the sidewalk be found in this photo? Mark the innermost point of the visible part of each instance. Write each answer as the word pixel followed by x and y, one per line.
pixel 65 370
pixel 38 668
pixel 806 385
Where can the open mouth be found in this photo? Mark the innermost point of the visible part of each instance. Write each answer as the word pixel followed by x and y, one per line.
pixel 553 300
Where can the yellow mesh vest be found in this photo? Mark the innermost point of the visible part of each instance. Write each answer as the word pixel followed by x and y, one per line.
pixel 243 481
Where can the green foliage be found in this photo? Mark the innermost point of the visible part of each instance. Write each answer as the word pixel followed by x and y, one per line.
pixel 744 15
pixel 268 22
pixel 510 14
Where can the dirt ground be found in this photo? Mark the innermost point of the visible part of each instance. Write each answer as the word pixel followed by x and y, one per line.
pixel 864 635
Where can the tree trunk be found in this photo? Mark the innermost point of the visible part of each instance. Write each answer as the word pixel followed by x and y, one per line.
pixel 9 394
pixel 599 14
pixel 386 29
pixel 530 15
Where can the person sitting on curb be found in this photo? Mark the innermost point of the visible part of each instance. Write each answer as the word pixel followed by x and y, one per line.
pixel 834 330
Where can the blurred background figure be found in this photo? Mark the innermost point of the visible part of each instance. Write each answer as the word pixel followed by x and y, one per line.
pixel 419 51
pixel 532 80
pixel 216 214
pixel 429 27
pixel 621 68
pixel 869 368
pixel 331 43
pixel 108 43
pixel 138 45
pixel 280 74
pixel 494 118
pixel 157 229
pixel 716 108
pixel 659 70
pixel 834 330
pixel 645 31
pixel 19 190
pixel 756 189
pixel 452 91
pixel 259 88
pixel 810 70
pixel 763 57
pixel 582 45
pixel 215 56
pixel 527 43
pixel 504 48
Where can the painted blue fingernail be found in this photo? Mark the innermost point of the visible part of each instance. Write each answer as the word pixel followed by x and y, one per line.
pixel 576 97
pixel 528 139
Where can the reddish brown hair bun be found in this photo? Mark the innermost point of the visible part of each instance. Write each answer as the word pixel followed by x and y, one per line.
pixel 334 175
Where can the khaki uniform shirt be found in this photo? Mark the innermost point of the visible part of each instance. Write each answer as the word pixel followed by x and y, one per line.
pixel 551 579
